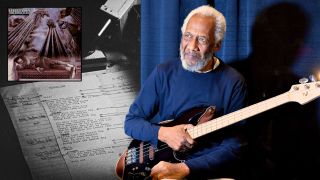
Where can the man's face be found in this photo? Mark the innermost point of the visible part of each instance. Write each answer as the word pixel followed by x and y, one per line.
pixel 197 43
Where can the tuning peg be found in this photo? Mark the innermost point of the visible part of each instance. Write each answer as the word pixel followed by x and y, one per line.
pixel 303 80
pixel 312 78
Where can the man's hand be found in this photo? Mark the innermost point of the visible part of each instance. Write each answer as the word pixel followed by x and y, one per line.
pixel 176 137
pixel 165 170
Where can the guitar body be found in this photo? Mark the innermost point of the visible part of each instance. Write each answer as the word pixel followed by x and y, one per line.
pixel 137 161
pixel 139 166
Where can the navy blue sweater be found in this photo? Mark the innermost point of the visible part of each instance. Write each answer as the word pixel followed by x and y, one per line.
pixel 170 90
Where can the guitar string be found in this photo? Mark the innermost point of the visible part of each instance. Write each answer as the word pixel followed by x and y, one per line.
pixel 146 153
pixel 164 146
pixel 146 146
pixel 191 131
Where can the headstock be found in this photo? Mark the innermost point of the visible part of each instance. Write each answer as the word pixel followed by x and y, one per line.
pixel 304 92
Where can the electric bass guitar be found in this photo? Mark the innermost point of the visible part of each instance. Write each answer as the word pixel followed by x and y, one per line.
pixel 137 161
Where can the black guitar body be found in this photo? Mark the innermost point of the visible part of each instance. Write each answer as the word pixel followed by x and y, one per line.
pixel 139 167
pixel 142 156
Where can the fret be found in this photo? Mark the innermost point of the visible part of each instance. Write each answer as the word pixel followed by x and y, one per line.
pixel 239 115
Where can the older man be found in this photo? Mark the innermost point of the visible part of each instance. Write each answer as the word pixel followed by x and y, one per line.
pixel 198 79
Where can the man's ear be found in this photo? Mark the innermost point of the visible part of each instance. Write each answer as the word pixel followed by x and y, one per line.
pixel 216 47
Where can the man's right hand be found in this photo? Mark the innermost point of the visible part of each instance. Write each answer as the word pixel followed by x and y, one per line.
pixel 176 137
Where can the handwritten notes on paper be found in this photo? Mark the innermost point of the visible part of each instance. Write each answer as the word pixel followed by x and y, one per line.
pixel 34 131
pixel 72 130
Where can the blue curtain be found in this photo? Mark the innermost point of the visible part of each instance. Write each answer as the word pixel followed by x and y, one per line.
pixel 240 16
pixel 161 21
pixel 160 30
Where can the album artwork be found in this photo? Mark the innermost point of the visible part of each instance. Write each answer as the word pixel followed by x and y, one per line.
pixel 44 44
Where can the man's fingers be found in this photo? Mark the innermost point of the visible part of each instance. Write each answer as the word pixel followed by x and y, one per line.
pixel 153 174
pixel 156 170
pixel 188 145
pixel 189 140
pixel 187 126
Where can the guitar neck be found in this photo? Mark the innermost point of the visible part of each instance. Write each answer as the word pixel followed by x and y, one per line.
pixel 239 115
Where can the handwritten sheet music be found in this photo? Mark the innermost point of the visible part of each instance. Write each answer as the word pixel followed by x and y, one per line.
pixel 34 131
pixel 72 130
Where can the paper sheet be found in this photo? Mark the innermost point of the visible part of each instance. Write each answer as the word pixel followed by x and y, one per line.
pixel 72 130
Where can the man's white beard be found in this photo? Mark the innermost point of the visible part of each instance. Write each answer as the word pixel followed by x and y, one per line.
pixel 200 63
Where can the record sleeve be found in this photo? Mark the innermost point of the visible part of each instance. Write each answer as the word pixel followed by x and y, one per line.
pixel 44 44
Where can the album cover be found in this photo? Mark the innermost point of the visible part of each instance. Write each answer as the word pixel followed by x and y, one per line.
pixel 44 44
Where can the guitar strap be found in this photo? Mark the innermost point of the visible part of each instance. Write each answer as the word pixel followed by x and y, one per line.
pixel 207 115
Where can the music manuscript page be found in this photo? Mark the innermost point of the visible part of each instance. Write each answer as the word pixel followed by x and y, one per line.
pixel 72 130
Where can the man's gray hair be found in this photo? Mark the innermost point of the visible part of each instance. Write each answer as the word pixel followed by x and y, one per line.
pixel 209 11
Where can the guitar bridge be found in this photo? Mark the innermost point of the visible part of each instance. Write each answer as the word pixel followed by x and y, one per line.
pixel 132 156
